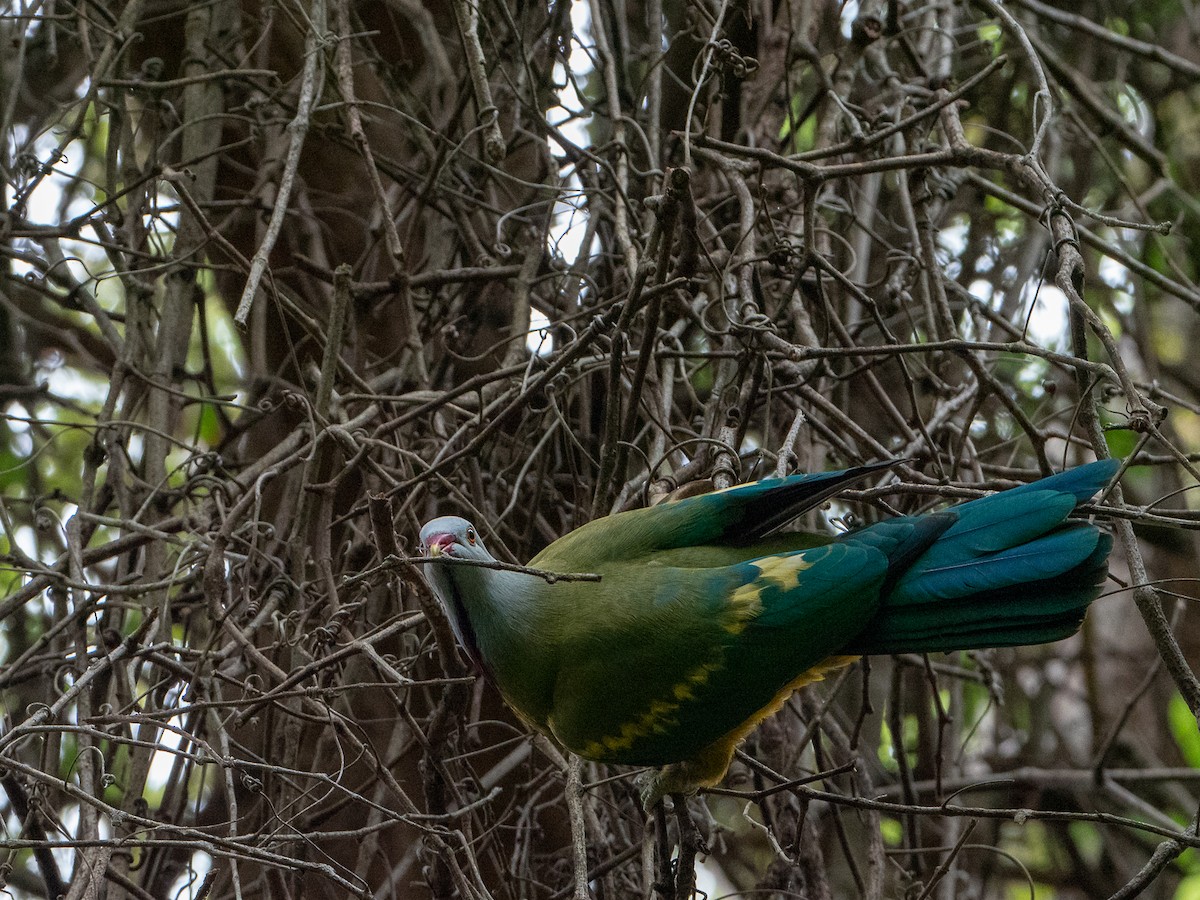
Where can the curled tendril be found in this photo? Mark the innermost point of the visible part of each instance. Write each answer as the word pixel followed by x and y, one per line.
pixel 728 58
pixel 103 773
pixel 203 463
pixel 64 677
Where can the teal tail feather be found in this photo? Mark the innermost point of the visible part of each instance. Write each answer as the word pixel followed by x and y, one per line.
pixel 1009 569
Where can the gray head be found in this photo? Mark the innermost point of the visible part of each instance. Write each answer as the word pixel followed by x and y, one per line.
pixel 448 538
pixel 452 536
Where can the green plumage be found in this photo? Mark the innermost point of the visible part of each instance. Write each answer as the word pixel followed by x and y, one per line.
pixel 704 620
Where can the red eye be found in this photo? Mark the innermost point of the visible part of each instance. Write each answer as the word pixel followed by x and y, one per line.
pixel 470 535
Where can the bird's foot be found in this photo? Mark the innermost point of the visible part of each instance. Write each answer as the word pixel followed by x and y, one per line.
pixel 649 785
pixel 655 784
pixel 705 769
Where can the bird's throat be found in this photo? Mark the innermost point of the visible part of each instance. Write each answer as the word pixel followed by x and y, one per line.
pixel 493 614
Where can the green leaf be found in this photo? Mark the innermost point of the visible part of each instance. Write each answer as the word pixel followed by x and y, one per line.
pixel 1183 729
pixel 886 750
pixel 1120 441
pixel 209 429
pixel 892 831
pixel 1088 842
pixel 802 138
pixel 1189 889
pixel 991 33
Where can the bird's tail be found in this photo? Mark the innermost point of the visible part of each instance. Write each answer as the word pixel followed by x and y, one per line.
pixel 1009 569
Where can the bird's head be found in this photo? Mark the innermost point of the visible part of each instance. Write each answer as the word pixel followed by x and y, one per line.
pixel 463 590
pixel 452 537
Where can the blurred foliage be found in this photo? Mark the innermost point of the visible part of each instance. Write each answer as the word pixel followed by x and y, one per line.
pixel 205 652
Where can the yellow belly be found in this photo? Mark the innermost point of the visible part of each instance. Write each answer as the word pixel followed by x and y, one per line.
pixel 708 767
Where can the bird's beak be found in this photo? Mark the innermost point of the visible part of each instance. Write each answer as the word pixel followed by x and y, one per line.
pixel 439 544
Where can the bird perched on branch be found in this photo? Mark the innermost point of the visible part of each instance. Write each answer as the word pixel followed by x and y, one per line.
pixel 706 617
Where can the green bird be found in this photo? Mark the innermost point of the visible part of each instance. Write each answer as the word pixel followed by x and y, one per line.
pixel 706 617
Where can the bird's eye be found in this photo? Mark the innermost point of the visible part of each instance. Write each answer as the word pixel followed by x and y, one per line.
pixel 470 535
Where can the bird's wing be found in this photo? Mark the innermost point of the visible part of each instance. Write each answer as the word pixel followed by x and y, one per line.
pixel 737 517
pixel 660 662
